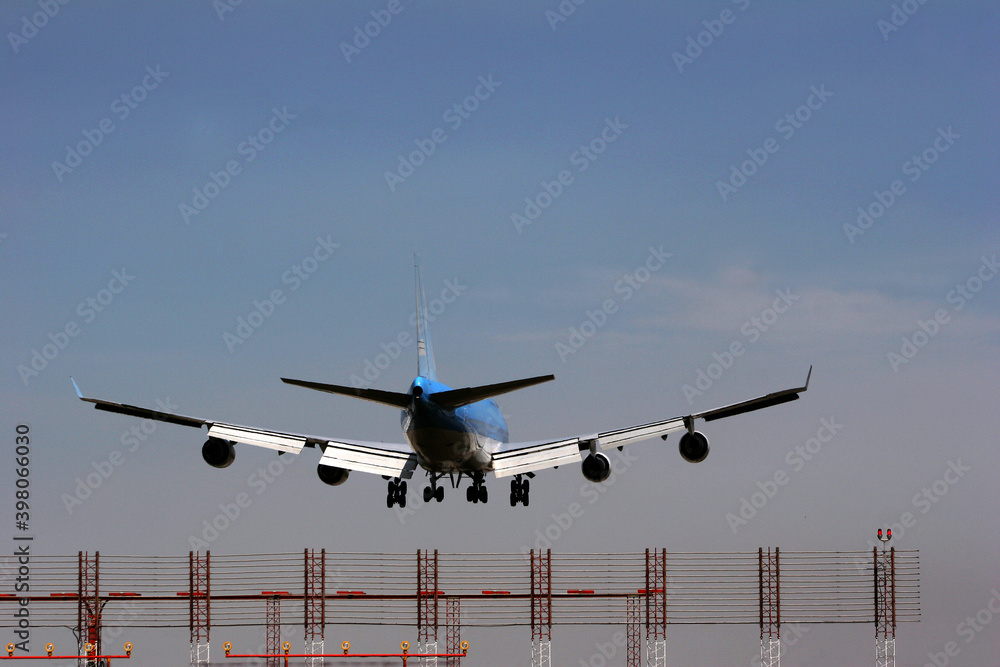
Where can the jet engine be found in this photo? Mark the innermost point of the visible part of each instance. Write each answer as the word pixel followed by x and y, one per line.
pixel 596 467
pixel 218 453
pixel 694 447
pixel 331 475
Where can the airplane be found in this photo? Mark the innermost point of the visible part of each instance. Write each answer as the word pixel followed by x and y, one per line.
pixel 449 432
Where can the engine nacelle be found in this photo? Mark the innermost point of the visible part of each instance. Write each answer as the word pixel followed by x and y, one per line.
pixel 332 476
pixel 596 467
pixel 693 447
pixel 218 453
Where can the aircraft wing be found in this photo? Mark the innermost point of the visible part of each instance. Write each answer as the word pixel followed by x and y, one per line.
pixel 527 457
pixel 373 457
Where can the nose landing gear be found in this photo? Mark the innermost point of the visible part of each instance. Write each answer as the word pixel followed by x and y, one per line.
pixel 433 491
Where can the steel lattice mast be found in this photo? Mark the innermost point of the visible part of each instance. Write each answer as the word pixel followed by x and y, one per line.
pixel 656 607
pixel 199 606
pixel 453 631
pixel 541 608
pixel 770 607
pixel 885 603
pixel 314 604
pixel 427 604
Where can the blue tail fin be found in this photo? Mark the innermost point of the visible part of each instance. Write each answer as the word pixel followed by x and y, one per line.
pixel 425 355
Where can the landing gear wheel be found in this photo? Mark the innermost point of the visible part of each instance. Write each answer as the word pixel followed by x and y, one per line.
pixel 396 494
pixel 519 491
pixel 471 495
pixel 484 495
pixel 439 494
pixel 428 494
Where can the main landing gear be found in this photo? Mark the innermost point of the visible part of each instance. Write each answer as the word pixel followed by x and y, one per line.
pixel 519 491
pixel 433 491
pixel 476 492
pixel 397 493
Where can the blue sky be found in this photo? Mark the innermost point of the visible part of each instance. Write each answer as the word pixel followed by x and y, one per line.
pixel 335 126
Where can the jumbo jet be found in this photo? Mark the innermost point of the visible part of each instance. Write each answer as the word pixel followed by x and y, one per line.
pixel 454 433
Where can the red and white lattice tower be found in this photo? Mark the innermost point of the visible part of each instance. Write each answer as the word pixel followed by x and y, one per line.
pixel 453 630
pixel 314 605
pixel 427 604
pixel 633 633
pixel 88 609
pixel 272 644
pixel 541 608
pixel 656 607
pixel 199 606
pixel 885 606
pixel 769 583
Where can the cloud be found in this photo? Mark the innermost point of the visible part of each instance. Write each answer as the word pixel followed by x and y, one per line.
pixel 725 304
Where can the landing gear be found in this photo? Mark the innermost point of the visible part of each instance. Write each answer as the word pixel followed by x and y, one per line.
pixel 519 491
pixel 396 494
pixel 433 491
pixel 477 493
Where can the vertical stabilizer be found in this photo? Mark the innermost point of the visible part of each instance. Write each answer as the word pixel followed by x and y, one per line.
pixel 425 355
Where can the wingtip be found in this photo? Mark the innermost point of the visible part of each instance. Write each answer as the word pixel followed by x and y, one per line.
pixel 808 375
pixel 79 394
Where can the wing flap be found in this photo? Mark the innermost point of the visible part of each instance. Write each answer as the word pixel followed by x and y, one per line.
pixel 536 457
pixel 624 436
pixel 282 442
pixel 365 458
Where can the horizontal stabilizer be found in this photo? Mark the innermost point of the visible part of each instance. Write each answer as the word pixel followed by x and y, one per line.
pixel 454 398
pixel 375 395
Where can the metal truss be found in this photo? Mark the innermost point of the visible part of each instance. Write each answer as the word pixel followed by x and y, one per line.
pixel 769 583
pixel 314 604
pixel 427 605
pixel 541 653
pixel 89 607
pixel 453 630
pixel 541 608
pixel 656 607
pixel 199 606
pixel 633 639
pixel 885 607
pixel 272 645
